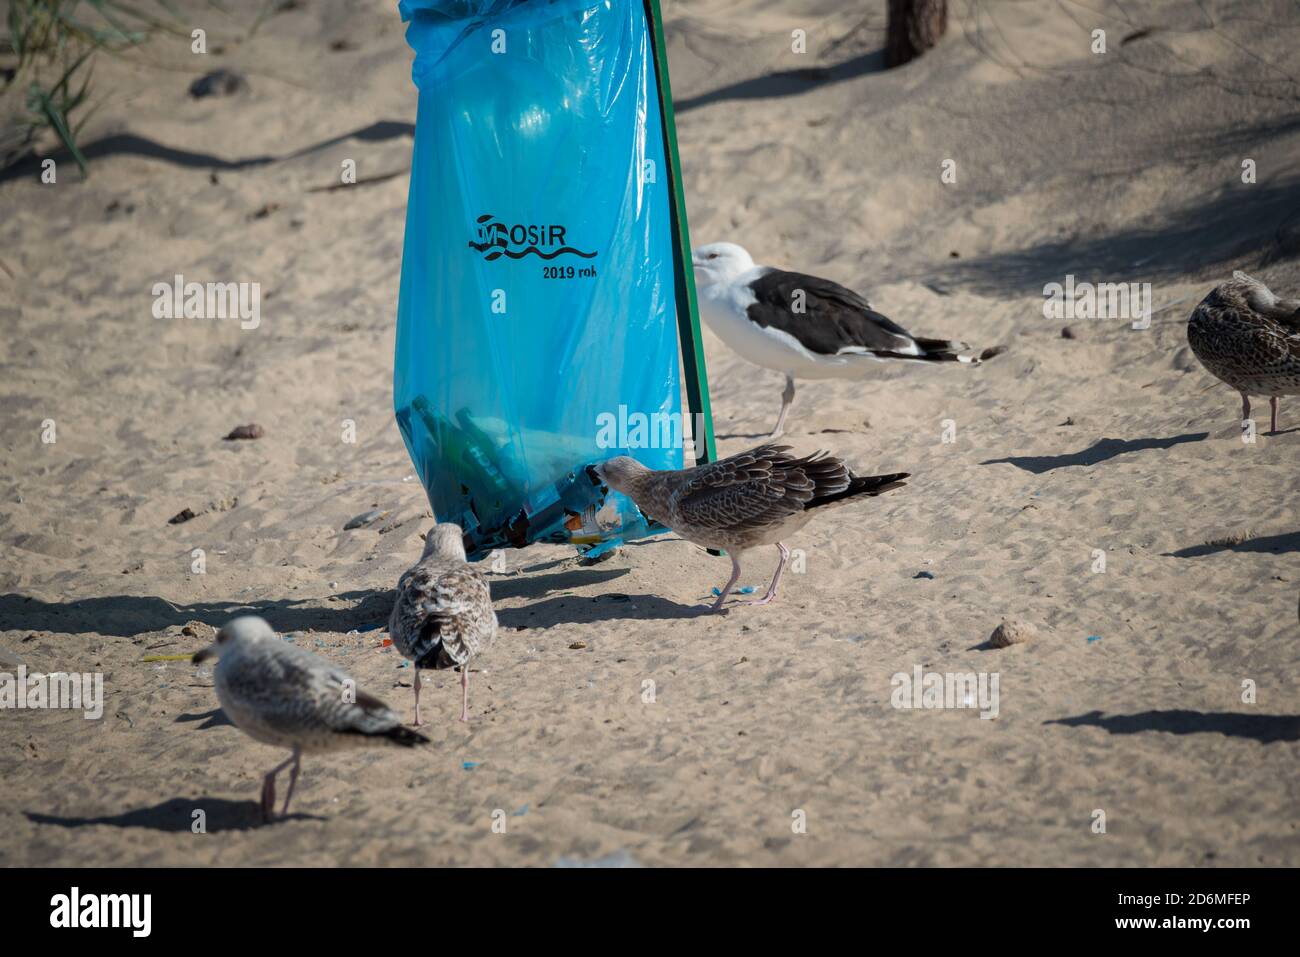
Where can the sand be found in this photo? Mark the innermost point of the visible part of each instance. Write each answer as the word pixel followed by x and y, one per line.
pixel 770 738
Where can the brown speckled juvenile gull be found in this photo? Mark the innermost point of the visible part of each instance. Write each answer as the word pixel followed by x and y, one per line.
pixel 1249 338
pixel 443 615
pixel 285 696
pixel 755 498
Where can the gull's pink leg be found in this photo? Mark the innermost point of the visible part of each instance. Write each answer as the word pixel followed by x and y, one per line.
pixel 776 579
pixel 293 779
pixel 268 787
pixel 464 691
pixel 1273 404
pixel 735 577
pixel 417 694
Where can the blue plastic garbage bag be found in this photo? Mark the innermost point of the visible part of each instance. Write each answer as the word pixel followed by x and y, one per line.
pixel 536 328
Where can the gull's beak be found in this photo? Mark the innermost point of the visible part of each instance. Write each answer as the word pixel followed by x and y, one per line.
pixel 696 261
pixel 203 654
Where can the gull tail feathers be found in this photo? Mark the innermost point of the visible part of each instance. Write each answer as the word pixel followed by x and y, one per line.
pixel 862 485
pixel 375 721
pixel 940 350
pixel 404 736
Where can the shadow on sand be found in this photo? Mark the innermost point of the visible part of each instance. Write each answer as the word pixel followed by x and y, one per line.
pixel 1267 544
pixel 129 144
pixel 176 815
pixel 216 718
pixel 787 82
pixel 1100 451
pixel 126 616
pixel 1183 242
pixel 1264 728
pixel 582 610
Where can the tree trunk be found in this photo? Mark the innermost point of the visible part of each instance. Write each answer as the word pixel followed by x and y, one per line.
pixel 914 27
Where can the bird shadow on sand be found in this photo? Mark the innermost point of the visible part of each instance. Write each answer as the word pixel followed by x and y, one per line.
pixel 176 816
pixel 216 718
pixel 538 586
pixel 584 610
pixel 1264 728
pixel 787 82
pixel 1266 544
pixel 126 616
pixel 1100 451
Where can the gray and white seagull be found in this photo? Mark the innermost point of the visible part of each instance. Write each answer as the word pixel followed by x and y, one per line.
pixel 285 696
pixel 759 497
pixel 803 326
pixel 443 615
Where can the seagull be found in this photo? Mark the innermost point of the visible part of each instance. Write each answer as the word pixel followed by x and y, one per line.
pixel 443 615
pixel 1250 339
pixel 759 497
pixel 285 696
pixel 803 326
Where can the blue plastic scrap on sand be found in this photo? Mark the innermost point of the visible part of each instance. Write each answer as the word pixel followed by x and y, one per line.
pixel 536 314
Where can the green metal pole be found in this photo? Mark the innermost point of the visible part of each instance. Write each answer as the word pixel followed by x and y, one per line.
pixel 688 316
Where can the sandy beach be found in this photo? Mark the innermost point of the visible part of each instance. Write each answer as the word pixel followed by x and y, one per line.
pixel 1160 690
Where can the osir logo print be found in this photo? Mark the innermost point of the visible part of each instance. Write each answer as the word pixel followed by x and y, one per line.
pixel 515 241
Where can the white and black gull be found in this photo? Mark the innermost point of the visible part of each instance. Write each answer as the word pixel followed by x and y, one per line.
pixel 285 696
pixel 759 497
pixel 443 615
pixel 803 326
